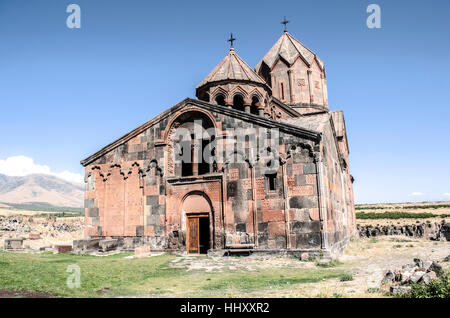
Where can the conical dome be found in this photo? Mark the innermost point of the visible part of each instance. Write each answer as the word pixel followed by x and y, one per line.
pixel 289 48
pixel 233 83
pixel 232 67
pixel 295 74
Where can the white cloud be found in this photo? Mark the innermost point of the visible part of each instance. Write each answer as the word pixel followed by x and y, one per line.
pixel 416 194
pixel 446 194
pixel 22 166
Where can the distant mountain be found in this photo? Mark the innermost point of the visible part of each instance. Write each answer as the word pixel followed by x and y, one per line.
pixel 40 189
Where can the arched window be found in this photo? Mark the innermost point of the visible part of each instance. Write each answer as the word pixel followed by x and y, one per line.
pixel 189 149
pixel 220 100
pixel 238 102
pixel 254 107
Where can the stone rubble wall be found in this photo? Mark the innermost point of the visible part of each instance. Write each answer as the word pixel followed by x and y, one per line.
pixel 432 231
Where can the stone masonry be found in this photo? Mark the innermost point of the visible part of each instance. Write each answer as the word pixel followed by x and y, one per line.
pixel 137 191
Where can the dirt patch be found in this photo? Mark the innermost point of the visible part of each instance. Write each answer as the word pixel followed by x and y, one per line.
pixel 12 293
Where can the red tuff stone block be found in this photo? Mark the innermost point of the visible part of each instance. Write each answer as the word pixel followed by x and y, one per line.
pixel 311 179
pixel 302 191
pixel 314 214
pixel 304 256
pixel 61 249
pixel 276 228
pixel 142 251
pixel 273 216
pixel 148 230
pixel 34 236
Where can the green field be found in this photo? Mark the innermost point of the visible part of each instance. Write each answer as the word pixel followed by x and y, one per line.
pixel 45 207
pixel 397 215
pixel 111 276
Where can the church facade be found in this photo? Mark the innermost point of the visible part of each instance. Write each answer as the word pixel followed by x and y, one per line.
pixel 256 163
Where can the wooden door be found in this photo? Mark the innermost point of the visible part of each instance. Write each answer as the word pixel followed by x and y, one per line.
pixel 193 235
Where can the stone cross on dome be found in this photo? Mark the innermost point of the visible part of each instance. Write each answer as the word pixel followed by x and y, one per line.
pixel 285 22
pixel 231 40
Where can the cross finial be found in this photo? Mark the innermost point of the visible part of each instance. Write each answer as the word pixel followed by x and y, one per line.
pixel 285 22
pixel 231 40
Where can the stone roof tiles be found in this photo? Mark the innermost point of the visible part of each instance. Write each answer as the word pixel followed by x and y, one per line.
pixel 289 48
pixel 232 67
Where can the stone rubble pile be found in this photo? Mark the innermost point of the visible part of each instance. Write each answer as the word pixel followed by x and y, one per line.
pixel 24 225
pixel 421 271
pixel 433 231
pixel 15 224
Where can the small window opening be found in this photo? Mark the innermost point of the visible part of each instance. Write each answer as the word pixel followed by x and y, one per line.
pixel 238 103
pixel 220 100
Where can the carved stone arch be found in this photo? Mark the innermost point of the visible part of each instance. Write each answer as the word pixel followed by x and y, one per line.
pixel 301 146
pixel 126 172
pixel 276 156
pixel 194 203
pixel 173 120
pixel 154 165
pixel 257 94
pixel 186 116
pixel 219 91
pixel 238 90
pixel 198 205
pixel 108 171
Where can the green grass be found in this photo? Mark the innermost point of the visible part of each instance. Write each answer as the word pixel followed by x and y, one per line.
pixel 413 207
pixel 115 275
pixel 332 263
pixel 397 215
pixel 60 214
pixel 45 207
pixel 346 277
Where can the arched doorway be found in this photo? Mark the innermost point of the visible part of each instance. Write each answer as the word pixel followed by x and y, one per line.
pixel 198 216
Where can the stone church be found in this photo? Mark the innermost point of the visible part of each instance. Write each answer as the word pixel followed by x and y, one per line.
pixel 276 179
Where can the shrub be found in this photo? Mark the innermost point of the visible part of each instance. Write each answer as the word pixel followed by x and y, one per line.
pixel 346 277
pixel 438 288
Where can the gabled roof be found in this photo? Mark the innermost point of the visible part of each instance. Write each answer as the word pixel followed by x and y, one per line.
pixel 232 67
pixel 264 122
pixel 289 48
pixel 291 111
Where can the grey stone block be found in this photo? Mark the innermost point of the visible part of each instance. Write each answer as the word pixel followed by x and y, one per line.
pixel 108 245
pixel 309 168
pixel 13 244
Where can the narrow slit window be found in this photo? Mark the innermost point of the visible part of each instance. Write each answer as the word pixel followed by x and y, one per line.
pixel 271 181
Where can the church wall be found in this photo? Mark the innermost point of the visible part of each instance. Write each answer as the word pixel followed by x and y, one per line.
pixel 337 196
pixel 135 191
pixel 303 201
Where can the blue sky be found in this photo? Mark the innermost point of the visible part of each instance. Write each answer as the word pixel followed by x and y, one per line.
pixel 65 93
